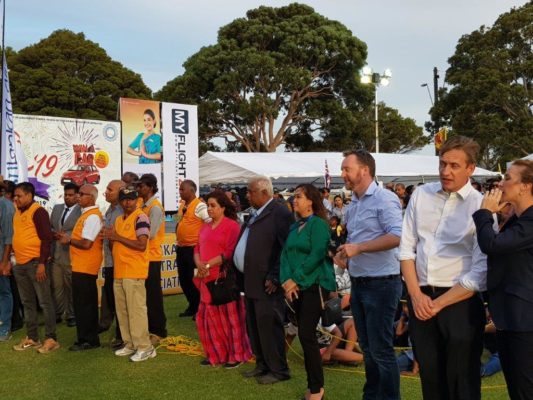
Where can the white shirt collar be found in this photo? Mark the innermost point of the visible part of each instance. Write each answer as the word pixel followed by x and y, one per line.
pixel 462 193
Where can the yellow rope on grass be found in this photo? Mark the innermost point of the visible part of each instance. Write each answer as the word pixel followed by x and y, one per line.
pixel 183 345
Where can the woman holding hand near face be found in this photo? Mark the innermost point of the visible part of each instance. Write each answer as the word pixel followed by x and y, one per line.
pixel 147 144
pixel 510 274
pixel 307 275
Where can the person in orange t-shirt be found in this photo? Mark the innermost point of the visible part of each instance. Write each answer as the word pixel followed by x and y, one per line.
pixel 130 247
pixel 192 214
pixel 86 257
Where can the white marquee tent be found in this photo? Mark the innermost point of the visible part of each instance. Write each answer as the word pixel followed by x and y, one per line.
pixel 294 168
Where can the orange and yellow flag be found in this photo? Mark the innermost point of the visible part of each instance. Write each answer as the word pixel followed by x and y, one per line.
pixel 440 138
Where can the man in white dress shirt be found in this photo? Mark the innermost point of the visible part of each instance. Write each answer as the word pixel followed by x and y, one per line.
pixel 444 271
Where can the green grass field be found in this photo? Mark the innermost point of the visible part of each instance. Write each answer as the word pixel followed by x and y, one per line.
pixel 98 374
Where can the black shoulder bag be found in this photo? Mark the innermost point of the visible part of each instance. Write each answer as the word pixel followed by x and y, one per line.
pixel 224 289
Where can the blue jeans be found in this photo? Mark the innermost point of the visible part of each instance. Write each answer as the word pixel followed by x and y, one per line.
pixel 6 305
pixel 374 305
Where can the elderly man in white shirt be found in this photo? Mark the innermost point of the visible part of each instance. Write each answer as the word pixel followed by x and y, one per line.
pixel 444 271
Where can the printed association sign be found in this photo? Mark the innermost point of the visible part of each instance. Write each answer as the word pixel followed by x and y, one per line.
pixel 67 150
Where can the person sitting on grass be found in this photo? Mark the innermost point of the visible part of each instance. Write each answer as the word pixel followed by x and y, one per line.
pixel 343 346
pixel 406 359
pixel 493 364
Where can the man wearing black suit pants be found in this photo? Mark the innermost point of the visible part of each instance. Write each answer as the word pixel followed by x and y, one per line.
pixel 257 256
pixel 63 219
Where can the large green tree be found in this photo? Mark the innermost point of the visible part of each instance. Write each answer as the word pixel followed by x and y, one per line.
pixel 490 92
pixel 357 130
pixel 66 75
pixel 279 75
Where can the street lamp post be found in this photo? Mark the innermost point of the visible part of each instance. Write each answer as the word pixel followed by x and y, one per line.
pixel 377 79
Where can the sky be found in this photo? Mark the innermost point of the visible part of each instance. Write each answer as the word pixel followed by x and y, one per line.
pixel 154 38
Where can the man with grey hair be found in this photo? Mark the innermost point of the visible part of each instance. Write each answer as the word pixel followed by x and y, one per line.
pixel 257 256
pixel 86 258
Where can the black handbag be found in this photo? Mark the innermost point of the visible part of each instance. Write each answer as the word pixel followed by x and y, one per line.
pixel 331 310
pixel 224 289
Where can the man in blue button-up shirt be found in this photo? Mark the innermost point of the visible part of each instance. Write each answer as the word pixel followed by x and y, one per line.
pixel 374 225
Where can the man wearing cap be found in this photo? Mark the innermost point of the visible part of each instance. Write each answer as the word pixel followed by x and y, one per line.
pixel 32 242
pixel 86 259
pixel 157 321
pixel 7 210
pixel 63 218
pixel 129 241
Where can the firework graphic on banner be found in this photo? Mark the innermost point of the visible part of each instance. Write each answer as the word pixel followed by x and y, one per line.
pixel 70 136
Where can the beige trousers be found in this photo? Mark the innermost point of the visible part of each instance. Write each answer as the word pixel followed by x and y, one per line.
pixel 130 303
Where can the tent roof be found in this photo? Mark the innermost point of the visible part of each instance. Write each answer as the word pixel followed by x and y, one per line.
pixel 239 167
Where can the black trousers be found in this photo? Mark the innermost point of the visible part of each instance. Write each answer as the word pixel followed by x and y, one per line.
pixel 308 310
pixel 157 321
pixel 185 261
pixel 448 348
pixel 516 356
pixel 107 303
pixel 264 320
pixel 17 318
pixel 85 301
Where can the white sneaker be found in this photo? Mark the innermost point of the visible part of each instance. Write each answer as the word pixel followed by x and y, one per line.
pixel 143 355
pixel 125 351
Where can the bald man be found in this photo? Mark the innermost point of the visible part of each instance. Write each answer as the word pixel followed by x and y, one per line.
pixel 107 303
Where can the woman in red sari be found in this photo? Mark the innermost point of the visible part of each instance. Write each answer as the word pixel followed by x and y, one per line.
pixel 222 329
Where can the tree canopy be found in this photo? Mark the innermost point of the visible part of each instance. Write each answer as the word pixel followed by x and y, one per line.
pixel 491 94
pixel 279 75
pixel 66 75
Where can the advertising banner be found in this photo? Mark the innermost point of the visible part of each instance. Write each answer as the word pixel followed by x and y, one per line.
pixel 142 150
pixel 169 268
pixel 180 144
pixel 61 150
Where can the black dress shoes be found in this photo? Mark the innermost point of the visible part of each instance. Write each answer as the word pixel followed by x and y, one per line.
pixel 83 346
pixel 253 373
pixel 187 313
pixel 269 379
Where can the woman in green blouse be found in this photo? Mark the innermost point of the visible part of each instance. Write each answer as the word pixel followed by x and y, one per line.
pixel 305 271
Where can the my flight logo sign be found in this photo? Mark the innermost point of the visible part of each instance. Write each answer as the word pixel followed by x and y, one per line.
pixel 180 121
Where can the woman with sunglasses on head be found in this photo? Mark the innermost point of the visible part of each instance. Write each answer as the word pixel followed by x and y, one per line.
pixel 510 274
pixel 307 275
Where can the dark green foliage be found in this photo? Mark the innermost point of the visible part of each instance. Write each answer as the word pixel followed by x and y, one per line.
pixel 66 75
pixel 280 75
pixel 491 94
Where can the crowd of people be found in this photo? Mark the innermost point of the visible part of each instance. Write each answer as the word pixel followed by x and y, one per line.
pixel 439 246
